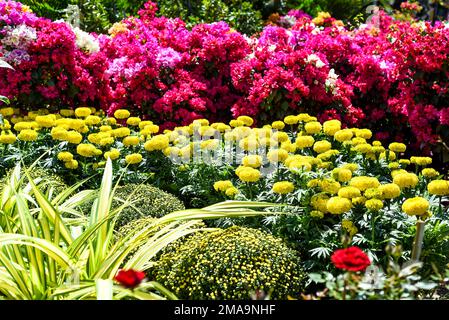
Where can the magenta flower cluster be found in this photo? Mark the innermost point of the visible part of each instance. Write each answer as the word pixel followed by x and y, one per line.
pixel 388 75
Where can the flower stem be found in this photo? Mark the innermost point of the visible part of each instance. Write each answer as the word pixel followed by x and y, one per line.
pixel 417 243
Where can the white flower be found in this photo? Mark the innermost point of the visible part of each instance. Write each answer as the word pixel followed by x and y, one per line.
pixel 313 58
pixel 86 41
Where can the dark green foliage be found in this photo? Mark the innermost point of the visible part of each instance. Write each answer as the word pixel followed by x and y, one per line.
pixel 143 201
pixel 230 264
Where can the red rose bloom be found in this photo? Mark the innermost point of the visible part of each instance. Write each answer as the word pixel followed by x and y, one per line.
pixel 129 278
pixel 351 259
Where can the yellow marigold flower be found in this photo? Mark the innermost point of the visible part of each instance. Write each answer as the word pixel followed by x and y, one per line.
pixel 397 147
pixel 349 192
pixel 87 150
pixel 7 112
pixel 391 155
pixel 341 174
pixel 16 120
pixel 303 142
pixel 430 173
pixel 372 193
pixel 131 141
pixel 105 128
pixel 377 143
pixel 330 186
pixel 111 121
pixel 364 133
pixel 121 132
pixel 144 123
pixel 249 143
pixel 171 151
pixel 47 121
pixel 113 154
pixel 359 201
pixel 236 123
pixel 133 121
pixel 280 136
pixel 82 112
pixel 6 125
pixel 59 133
pixel 92 120
pixel 288 146
pixel 338 205
pixel 378 150
pixel 206 131
pixel 159 142
pixel 65 156
pixel 319 202
pixel 406 180
pixel 74 137
pixel 277 155
pixel 389 191
pixel 243 132
pixel 313 127
pixel 278 125
pixel 317 214
pixel 394 165
pixel 421 161
pixel 283 187
pixel 134 158
pixel 253 161
pixel 248 174
pixel 291 120
pixel 322 146
pixel 66 112
pixel 300 164
pixel 439 187
pixel 231 192
pixel 328 154
pixel 121 114
pixel 149 129
pixel 362 183
pixel 349 227
pixel 374 205
pixel 73 164
pixel 305 117
pixel 404 162
pixel 396 172
pixel 416 206
pixel 351 166
pixel 27 135
pixel 358 140
pixel 343 135
pixel 363 148
pixel 8 138
pixel 330 127
pixel 247 121
pixel 313 183
pixel 211 144
pixel 106 141
pixel 223 185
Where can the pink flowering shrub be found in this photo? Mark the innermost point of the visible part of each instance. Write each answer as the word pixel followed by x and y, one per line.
pixel 388 75
pixel 54 65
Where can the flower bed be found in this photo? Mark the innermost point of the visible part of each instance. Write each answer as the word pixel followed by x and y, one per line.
pixel 386 72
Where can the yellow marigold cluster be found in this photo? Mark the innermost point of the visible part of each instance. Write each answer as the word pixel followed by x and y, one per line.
pixel 362 183
pixel 406 180
pixel 223 185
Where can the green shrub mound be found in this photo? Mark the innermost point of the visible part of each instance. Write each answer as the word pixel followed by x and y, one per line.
pixel 143 201
pixel 230 264
pixel 49 183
